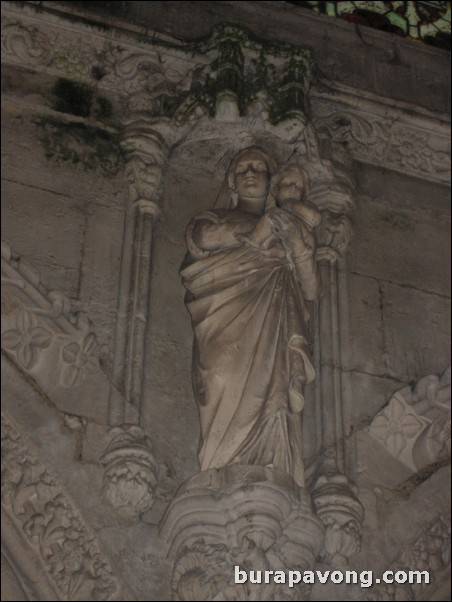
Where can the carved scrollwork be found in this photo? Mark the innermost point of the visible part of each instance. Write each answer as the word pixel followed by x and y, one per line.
pixel 429 552
pixel 47 49
pixel 51 523
pixel 384 141
pixel 23 43
pixel 357 134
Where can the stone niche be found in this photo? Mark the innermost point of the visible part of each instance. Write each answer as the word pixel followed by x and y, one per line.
pixel 311 435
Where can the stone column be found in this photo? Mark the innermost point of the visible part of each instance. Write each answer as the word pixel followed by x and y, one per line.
pixel 128 458
pixel 146 152
pixel 333 235
pixel 334 497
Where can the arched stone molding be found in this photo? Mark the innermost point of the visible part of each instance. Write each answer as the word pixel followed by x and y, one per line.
pixel 414 426
pixel 50 341
pixel 47 540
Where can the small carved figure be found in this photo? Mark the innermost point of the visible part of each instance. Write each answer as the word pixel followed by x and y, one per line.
pixel 288 187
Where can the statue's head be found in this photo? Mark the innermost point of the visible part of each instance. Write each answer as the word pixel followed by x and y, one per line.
pixel 289 183
pixel 248 178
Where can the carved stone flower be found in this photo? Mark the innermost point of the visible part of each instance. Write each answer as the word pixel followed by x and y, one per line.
pixel 26 339
pixel 67 557
pixel 128 486
pixel 396 425
pixel 80 359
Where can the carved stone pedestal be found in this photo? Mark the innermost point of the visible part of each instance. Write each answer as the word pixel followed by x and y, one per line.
pixel 253 517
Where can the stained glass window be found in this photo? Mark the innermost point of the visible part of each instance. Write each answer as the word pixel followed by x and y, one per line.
pixel 425 21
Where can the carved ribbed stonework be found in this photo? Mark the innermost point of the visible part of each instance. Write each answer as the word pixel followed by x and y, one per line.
pixel 44 514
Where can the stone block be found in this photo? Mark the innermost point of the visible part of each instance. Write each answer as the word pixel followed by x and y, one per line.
pixel 169 411
pixel 369 394
pixel 401 245
pixel 416 331
pixel 366 345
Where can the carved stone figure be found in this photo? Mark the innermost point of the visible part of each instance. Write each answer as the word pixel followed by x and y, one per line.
pixel 288 187
pixel 250 274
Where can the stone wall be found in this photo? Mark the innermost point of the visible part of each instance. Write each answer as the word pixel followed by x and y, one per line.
pixel 107 386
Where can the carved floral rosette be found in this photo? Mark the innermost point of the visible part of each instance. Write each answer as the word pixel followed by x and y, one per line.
pixel 251 516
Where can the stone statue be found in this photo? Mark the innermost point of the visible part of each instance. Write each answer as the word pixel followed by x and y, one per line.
pixel 249 274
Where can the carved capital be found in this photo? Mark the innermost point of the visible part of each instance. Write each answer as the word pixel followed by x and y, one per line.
pixel 333 236
pixel 130 474
pixel 250 516
pixel 146 151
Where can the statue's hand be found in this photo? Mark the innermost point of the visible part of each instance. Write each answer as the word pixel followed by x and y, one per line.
pixel 285 226
pixel 243 238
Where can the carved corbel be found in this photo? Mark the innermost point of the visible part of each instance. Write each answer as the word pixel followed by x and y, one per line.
pixel 130 471
pixel 251 516
pixel 336 504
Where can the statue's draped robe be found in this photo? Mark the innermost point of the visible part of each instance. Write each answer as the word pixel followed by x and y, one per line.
pixel 250 358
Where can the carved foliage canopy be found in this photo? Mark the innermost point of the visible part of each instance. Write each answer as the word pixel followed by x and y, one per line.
pixel 185 81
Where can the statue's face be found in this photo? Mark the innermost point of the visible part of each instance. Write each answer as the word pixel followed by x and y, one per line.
pixel 290 186
pixel 251 177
